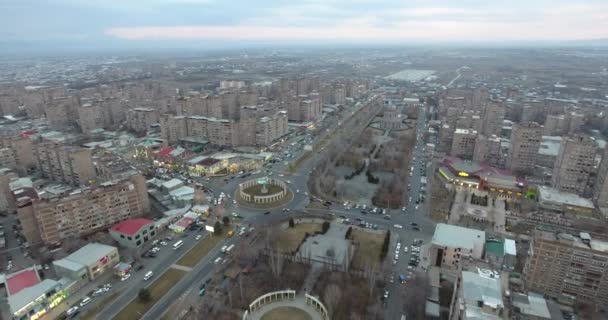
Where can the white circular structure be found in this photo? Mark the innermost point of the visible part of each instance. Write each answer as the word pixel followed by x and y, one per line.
pixel 265 196
pixel 286 298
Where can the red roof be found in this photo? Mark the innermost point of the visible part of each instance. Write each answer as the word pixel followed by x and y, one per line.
pixel 131 226
pixel 164 152
pixel 184 222
pixel 21 280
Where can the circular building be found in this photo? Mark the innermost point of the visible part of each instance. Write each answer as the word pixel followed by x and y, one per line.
pixel 263 193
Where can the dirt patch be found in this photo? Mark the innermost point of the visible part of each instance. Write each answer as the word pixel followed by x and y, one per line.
pixel 283 313
pixel 368 247
pixel 290 238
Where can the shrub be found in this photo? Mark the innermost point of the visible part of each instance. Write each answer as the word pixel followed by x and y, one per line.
pixel 348 233
pixel 325 227
pixel 385 245
pixel 291 223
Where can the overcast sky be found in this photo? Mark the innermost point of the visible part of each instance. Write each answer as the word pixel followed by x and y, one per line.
pixel 349 21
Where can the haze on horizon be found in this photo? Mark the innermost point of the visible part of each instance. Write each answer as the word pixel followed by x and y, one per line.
pixel 129 23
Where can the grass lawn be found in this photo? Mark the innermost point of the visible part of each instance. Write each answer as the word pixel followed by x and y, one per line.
pixel 161 285
pixel 369 244
pixel 290 313
pixel 90 314
pixel 200 250
pixel 290 238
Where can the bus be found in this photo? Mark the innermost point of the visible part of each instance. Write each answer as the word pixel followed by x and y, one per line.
pixel 178 245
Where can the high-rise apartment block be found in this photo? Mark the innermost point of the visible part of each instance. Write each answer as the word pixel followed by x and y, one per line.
pixel 488 150
pixel 61 113
pixel 556 125
pixel 224 132
pixel 525 142
pixel 304 108
pixel 568 267
pixel 19 152
pixel 493 117
pixel 574 164
pixel 68 164
pixel 140 119
pixel 463 143
pixel 600 188
pixel 577 121
pixel 91 116
pixel 54 218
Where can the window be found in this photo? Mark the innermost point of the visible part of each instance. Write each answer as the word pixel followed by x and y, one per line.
pixel 137 236
pixel 153 233
pixel 122 236
pixel 129 238
pixel 138 242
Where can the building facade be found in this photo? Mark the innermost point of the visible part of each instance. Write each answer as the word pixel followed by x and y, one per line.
pixel 140 119
pixel 83 211
pixel 574 164
pixel 525 142
pixel 568 267
pixel 67 164
pixel 133 233
pixel 463 143
pixel 487 149
pixel 600 188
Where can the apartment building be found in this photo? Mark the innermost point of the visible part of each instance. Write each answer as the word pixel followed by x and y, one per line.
pixel 568 267
pixel 574 164
pixel 556 125
pixel 140 119
pixel 525 142
pixel 56 217
pixel 493 117
pixel 68 164
pixel 20 153
pixel 225 132
pixel 91 116
pixel 478 295
pixel 487 149
pixel 451 244
pixel 304 108
pixel 463 143
pixel 270 128
pixel 600 187
pixel 60 113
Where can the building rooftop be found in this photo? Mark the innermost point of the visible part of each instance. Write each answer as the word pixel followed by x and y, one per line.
pixel 532 304
pixel 549 145
pixel 21 280
pixel 582 240
pixel 131 226
pixel 90 253
pixel 68 265
pixel 173 183
pixel 482 287
pixel 27 295
pixel 547 194
pixel 447 235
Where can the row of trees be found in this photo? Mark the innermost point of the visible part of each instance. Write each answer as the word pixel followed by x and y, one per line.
pixel 385 245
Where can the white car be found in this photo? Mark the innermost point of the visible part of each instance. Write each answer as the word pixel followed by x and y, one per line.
pixel 398 226
pixel 125 277
pixel 405 249
pixel 72 310
pixel 85 301
pixel 163 243
pixel 198 237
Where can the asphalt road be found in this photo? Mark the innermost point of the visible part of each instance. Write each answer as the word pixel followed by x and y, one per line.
pixel 298 181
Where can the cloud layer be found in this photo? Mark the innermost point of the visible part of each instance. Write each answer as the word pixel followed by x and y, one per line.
pixel 366 21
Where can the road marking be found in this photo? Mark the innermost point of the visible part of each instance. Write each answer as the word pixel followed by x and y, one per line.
pixel 180 267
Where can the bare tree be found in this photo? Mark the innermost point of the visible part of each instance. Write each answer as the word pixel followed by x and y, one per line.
pixel 331 298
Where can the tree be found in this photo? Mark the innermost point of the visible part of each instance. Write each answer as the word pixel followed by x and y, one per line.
pixel 331 298
pixel 291 223
pixel 385 245
pixel 217 228
pixel 348 233
pixel 226 220
pixel 144 295
pixel 324 227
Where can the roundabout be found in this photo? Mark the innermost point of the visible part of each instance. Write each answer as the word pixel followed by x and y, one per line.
pixel 263 193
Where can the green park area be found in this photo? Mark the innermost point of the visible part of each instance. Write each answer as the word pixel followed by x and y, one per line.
pixel 162 285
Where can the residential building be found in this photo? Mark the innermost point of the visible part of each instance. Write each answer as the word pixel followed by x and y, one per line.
pixel 548 151
pixel 96 258
pixel 568 267
pixel 64 163
pixel 600 188
pixel 67 213
pixel 452 243
pixel 446 135
pixel 525 142
pixel 577 121
pixel 574 164
pixel 270 128
pixel 487 149
pixel 563 202
pixel 60 114
pixel 141 119
pixel 556 125
pixel 22 152
pixel 304 108
pixel 493 117
pixel 133 233
pixel 91 116
pixel 463 143
pixel 7 201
